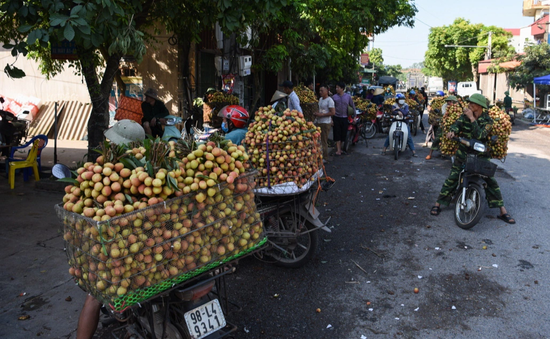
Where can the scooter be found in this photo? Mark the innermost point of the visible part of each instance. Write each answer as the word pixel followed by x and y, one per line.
pixel 356 129
pixel 12 130
pixel 470 192
pixel 398 134
pixel 381 124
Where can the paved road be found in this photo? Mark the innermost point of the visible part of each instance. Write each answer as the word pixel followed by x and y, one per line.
pixel 383 245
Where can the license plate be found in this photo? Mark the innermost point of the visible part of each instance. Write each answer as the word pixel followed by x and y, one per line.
pixel 205 320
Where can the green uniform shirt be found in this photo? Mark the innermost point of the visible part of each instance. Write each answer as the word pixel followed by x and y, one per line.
pixel 479 130
pixel 507 102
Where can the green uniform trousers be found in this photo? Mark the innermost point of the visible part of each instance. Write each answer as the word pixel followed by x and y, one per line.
pixel 492 191
pixel 437 138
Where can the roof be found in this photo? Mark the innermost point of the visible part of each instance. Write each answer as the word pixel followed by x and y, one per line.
pixel 485 64
pixel 514 31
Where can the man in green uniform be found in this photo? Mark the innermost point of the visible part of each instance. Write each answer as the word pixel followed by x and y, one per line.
pixel 475 123
pixel 153 110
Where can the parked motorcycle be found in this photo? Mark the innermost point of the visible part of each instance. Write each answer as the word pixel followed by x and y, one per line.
pixel 356 129
pixel 381 124
pixel 291 223
pixel 197 308
pixel 470 192
pixel 12 130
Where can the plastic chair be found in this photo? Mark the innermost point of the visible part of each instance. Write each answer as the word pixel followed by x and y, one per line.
pixel 26 172
pixel 29 162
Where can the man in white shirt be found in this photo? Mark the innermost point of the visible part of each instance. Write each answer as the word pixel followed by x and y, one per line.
pixel 324 118
pixel 293 100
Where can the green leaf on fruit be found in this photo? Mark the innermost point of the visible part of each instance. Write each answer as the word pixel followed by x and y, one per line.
pixel 69 180
pixel 128 163
pixel 129 198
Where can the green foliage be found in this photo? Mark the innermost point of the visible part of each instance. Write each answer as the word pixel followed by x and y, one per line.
pixel 534 63
pixel 460 63
pixel 375 56
pixel 324 37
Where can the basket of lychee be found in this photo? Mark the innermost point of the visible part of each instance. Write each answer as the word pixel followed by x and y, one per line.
pixel 135 227
pixel 284 148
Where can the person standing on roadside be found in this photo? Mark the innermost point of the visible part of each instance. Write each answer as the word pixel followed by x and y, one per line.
pixel 341 102
pixel 293 100
pixel 324 118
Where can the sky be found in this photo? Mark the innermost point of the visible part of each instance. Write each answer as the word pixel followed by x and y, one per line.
pixel 405 46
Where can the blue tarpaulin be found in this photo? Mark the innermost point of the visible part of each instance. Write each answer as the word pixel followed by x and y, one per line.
pixel 544 80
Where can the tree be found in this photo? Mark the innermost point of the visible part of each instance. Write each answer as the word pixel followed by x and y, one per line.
pixel 312 35
pixel 460 63
pixel 329 34
pixel 534 63
pixel 105 30
pixel 375 56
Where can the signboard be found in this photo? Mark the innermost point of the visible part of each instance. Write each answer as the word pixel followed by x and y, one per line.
pixel 64 50
pixel 364 59
pixel 365 81
pixel 451 86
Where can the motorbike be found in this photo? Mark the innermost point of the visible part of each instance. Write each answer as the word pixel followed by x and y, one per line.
pixel 398 134
pixel 12 130
pixel 356 129
pixel 380 124
pixel 512 113
pixel 197 308
pixel 470 192
pixel 291 224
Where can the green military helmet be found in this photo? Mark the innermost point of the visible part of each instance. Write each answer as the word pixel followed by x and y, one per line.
pixel 478 99
pixel 451 98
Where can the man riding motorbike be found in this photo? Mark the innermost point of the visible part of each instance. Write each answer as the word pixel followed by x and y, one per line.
pixel 475 123
pixel 402 109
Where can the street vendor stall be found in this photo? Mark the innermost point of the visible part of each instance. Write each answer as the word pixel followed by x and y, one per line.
pixel 541 113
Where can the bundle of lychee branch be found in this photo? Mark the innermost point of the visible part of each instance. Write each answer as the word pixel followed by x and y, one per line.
pixel 283 147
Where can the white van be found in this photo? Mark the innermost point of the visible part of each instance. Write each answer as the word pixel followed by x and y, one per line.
pixel 467 88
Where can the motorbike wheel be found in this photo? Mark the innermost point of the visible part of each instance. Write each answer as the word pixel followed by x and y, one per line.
pixel 291 248
pixel 468 216
pixel 348 141
pixel 414 126
pixel 369 130
pixel 396 147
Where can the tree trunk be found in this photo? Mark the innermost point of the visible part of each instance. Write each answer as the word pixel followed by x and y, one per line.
pixel 184 50
pixel 99 96
pixel 258 88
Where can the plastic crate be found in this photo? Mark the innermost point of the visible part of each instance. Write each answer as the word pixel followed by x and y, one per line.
pixel 480 166
pixel 135 256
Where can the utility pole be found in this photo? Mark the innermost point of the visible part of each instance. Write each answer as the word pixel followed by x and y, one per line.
pixel 489 51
